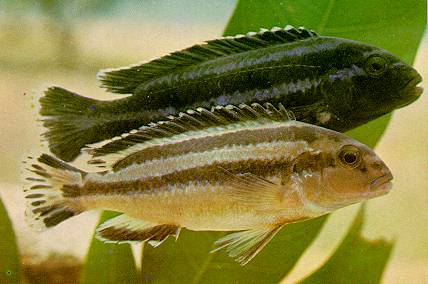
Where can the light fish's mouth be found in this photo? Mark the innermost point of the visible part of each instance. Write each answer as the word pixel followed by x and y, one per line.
pixel 381 185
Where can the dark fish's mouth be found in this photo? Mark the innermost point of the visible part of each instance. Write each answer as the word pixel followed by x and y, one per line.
pixel 412 96
pixel 381 185
pixel 417 91
pixel 411 86
pixel 411 91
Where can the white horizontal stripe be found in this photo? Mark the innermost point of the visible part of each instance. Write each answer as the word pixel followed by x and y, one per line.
pixel 259 125
pixel 263 151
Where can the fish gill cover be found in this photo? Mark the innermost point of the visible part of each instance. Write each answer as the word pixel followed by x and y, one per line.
pixel 323 24
pixel 396 26
pixel 332 82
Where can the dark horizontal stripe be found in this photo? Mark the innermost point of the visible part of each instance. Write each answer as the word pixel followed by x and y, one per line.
pixel 209 142
pixel 209 174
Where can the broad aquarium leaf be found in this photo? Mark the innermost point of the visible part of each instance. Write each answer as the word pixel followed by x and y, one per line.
pixel 191 256
pixel 9 257
pixel 356 260
pixel 109 263
pixel 394 25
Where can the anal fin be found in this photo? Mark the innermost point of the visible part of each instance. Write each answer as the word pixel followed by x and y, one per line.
pixel 245 245
pixel 123 228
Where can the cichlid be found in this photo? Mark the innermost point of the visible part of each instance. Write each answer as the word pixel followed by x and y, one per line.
pixel 251 176
pixel 332 82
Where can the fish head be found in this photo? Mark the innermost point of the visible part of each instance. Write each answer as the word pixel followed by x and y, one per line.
pixel 386 83
pixel 341 172
pixel 366 82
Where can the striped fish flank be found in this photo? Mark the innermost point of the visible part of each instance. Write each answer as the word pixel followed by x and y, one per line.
pixel 251 176
pixel 331 82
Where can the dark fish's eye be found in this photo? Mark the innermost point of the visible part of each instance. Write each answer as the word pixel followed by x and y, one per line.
pixel 375 65
pixel 349 156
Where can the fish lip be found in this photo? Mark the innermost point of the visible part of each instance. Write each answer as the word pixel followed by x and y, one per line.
pixel 415 94
pixel 412 91
pixel 381 185
pixel 418 90
pixel 412 86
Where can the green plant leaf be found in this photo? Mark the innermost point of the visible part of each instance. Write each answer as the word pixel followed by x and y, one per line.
pixel 191 257
pixel 109 263
pixel 394 25
pixel 357 260
pixel 10 271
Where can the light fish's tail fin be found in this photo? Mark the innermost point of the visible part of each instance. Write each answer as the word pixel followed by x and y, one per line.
pixel 68 119
pixel 50 192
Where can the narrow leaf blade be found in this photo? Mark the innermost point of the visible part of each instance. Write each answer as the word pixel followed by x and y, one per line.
pixel 380 22
pixel 189 260
pixel 357 260
pixel 109 263
pixel 10 271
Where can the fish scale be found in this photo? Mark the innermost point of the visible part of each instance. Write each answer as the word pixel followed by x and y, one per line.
pixel 316 77
pixel 249 176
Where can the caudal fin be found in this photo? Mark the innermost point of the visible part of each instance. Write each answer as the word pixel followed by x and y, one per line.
pixel 73 121
pixel 50 192
pixel 67 117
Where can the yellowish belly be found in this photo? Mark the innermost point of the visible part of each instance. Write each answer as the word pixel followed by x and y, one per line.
pixel 199 209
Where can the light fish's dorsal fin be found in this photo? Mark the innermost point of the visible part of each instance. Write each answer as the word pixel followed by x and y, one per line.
pixel 190 124
pixel 126 79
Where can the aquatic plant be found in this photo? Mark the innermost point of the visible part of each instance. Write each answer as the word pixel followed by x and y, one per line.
pixel 396 26
pixel 10 271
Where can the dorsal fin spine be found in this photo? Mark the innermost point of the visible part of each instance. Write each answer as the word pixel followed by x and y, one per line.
pixel 126 79
pixel 225 117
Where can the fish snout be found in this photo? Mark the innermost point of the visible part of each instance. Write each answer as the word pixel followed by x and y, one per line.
pixel 382 184
pixel 414 78
pixel 409 90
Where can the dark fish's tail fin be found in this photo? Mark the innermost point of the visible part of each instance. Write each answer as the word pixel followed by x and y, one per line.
pixel 68 118
pixel 50 192
pixel 74 121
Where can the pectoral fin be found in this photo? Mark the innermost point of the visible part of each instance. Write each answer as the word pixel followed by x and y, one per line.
pixel 251 190
pixel 245 245
pixel 128 229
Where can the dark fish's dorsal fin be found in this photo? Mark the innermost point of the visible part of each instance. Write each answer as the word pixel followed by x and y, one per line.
pixel 192 120
pixel 126 79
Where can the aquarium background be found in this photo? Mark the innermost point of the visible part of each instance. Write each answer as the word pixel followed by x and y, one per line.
pixel 43 42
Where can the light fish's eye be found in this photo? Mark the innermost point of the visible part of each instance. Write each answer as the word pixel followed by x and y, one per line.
pixel 375 65
pixel 349 156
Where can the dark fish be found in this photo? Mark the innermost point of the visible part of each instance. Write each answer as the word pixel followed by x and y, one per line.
pixel 332 82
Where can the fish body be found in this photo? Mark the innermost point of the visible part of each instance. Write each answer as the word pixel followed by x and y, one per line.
pixel 252 176
pixel 331 82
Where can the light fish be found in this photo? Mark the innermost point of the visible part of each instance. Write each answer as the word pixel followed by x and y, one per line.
pixel 251 176
pixel 332 82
